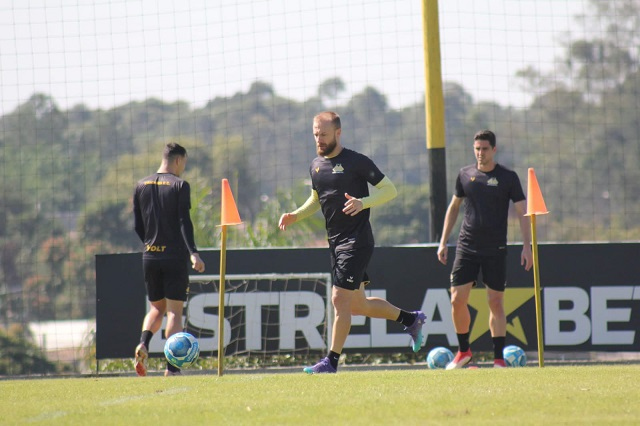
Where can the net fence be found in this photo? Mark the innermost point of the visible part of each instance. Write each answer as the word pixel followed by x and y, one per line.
pixel 91 91
pixel 265 315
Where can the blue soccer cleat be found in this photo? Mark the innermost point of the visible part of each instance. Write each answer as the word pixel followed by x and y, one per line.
pixel 324 366
pixel 415 330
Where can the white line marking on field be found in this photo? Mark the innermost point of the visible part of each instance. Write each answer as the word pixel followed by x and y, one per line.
pixel 174 391
pixel 122 400
pixel 125 399
pixel 44 417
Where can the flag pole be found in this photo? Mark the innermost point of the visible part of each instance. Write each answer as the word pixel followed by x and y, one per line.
pixel 229 216
pixel 536 286
pixel 223 267
pixel 536 206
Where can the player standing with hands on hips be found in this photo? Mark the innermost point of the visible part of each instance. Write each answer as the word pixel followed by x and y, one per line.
pixel 161 205
pixel 340 179
pixel 486 188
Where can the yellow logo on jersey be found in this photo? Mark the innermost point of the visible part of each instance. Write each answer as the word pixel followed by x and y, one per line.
pixel 157 249
pixel 473 178
pixel 317 169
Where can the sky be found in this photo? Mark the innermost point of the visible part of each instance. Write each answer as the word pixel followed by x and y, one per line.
pixel 105 53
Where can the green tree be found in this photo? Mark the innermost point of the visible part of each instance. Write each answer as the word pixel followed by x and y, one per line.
pixel 231 160
pixel 404 220
pixel 330 89
pixel 20 357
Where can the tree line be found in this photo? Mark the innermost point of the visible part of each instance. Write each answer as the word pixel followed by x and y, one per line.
pixel 69 174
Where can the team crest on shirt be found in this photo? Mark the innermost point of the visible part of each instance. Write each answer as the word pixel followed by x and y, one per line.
pixel 492 182
pixel 337 169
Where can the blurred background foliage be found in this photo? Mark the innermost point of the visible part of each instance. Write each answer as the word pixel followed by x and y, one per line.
pixel 68 175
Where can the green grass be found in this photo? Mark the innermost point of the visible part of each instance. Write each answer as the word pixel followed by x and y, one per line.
pixel 601 394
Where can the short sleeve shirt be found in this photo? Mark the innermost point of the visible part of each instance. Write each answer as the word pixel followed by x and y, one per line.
pixel 487 196
pixel 349 172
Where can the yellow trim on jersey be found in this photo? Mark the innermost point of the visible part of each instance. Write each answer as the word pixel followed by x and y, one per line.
pixel 309 207
pixel 385 193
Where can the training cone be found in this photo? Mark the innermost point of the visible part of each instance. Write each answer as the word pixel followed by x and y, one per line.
pixel 535 202
pixel 230 215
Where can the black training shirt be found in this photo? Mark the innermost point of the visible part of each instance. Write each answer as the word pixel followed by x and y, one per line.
pixel 487 196
pixel 161 204
pixel 349 172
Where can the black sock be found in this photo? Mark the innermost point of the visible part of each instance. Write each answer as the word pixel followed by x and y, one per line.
pixel 406 318
pixel 498 347
pixel 172 368
pixel 334 357
pixel 145 337
pixel 463 342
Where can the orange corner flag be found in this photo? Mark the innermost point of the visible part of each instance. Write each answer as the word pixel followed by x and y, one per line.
pixel 535 202
pixel 230 215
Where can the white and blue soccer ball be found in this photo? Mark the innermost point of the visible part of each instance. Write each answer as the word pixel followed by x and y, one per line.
pixel 181 350
pixel 514 356
pixel 439 357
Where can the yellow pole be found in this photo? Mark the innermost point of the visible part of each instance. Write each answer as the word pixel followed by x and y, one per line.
pixel 434 116
pixel 536 284
pixel 223 263
pixel 434 98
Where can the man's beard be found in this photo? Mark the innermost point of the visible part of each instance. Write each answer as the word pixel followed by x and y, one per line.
pixel 328 148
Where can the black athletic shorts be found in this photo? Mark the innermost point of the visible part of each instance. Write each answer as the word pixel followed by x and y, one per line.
pixel 166 279
pixel 466 268
pixel 349 266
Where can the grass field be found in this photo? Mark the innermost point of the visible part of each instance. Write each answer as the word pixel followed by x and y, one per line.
pixel 595 394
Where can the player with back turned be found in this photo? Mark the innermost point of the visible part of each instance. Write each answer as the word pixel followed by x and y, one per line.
pixel 161 205
pixel 340 179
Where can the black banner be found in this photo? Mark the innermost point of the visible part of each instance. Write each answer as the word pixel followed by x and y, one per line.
pixel 590 300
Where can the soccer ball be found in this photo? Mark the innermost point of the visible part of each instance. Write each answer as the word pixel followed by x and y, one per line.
pixel 439 357
pixel 514 356
pixel 181 350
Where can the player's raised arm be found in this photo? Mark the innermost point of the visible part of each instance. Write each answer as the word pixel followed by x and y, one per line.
pixel 385 192
pixel 309 207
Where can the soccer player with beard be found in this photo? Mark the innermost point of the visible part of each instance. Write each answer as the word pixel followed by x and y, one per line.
pixel 340 179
